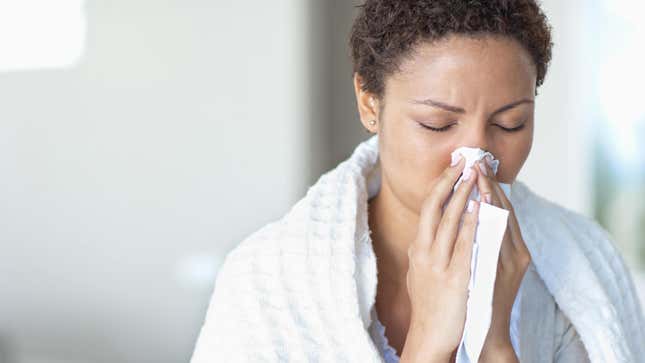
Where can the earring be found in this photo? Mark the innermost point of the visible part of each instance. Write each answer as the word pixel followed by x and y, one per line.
pixel 372 123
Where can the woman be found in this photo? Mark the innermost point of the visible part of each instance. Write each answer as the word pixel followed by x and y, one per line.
pixel 372 264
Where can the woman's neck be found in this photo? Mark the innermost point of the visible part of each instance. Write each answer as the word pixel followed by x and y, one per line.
pixel 394 227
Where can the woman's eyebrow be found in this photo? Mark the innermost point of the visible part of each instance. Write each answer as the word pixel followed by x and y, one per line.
pixel 456 109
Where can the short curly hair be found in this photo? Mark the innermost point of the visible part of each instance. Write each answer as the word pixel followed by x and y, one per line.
pixel 385 31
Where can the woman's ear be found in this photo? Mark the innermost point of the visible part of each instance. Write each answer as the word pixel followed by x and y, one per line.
pixel 368 106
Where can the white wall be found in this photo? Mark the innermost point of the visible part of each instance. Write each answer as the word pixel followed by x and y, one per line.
pixel 559 165
pixel 125 179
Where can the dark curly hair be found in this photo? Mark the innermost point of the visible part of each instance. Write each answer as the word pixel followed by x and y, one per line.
pixel 385 31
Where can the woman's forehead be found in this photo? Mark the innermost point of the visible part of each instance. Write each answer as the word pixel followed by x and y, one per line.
pixel 461 64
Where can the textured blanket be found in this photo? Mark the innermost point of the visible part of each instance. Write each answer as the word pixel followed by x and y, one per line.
pixel 300 289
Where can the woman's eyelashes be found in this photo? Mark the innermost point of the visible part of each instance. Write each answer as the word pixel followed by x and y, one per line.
pixel 447 127
pixel 440 129
pixel 517 128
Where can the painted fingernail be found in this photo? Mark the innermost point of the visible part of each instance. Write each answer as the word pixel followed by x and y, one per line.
pixel 456 161
pixel 487 197
pixel 482 167
pixel 471 206
pixel 467 173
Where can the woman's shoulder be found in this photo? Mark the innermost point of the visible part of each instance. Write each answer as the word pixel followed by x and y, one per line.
pixel 568 346
pixel 554 230
pixel 552 218
pixel 545 329
pixel 260 241
pixel 278 240
pixel 526 198
pixel 581 264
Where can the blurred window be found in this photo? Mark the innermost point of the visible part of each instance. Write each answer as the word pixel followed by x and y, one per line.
pixel 37 34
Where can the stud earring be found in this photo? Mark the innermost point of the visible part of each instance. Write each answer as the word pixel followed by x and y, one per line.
pixel 372 122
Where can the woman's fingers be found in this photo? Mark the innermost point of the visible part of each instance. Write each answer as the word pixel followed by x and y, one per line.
pixel 430 214
pixel 462 255
pixel 442 249
pixel 484 184
pixel 489 185
pixel 513 224
pixel 513 242
pixel 438 294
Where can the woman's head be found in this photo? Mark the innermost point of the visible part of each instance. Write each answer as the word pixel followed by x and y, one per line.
pixel 468 68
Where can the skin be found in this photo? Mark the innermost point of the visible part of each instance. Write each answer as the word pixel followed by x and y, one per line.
pixel 492 80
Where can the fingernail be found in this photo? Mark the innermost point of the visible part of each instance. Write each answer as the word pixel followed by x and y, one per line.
pixel 487 197
pixel 456 161
pixel 466 177
pixel 471 205
pixel 482 168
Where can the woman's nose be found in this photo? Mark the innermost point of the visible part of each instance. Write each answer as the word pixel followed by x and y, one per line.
pixel 475 136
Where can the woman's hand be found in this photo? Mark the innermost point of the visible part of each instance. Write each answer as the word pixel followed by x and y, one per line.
pixel 514 259
pixel 439 270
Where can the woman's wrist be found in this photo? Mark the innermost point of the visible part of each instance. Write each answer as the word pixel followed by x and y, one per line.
pixel 502 353
pixel 419 348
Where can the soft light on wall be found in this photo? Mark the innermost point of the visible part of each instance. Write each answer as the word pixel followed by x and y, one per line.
pixel 618 122
pixel 620 80
pixel 36 34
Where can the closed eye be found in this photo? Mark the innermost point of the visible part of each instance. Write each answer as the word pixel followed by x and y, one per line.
pixel 440 129
pixel 518 128
pixel 445 128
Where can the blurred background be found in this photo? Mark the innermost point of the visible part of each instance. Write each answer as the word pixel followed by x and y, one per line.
pixel 141 140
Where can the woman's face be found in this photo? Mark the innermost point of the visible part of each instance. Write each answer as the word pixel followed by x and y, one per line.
pixel 472 88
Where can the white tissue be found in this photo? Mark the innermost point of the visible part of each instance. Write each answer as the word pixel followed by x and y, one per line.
pixel 486 245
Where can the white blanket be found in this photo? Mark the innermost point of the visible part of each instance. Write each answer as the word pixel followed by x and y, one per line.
pixel 300 289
